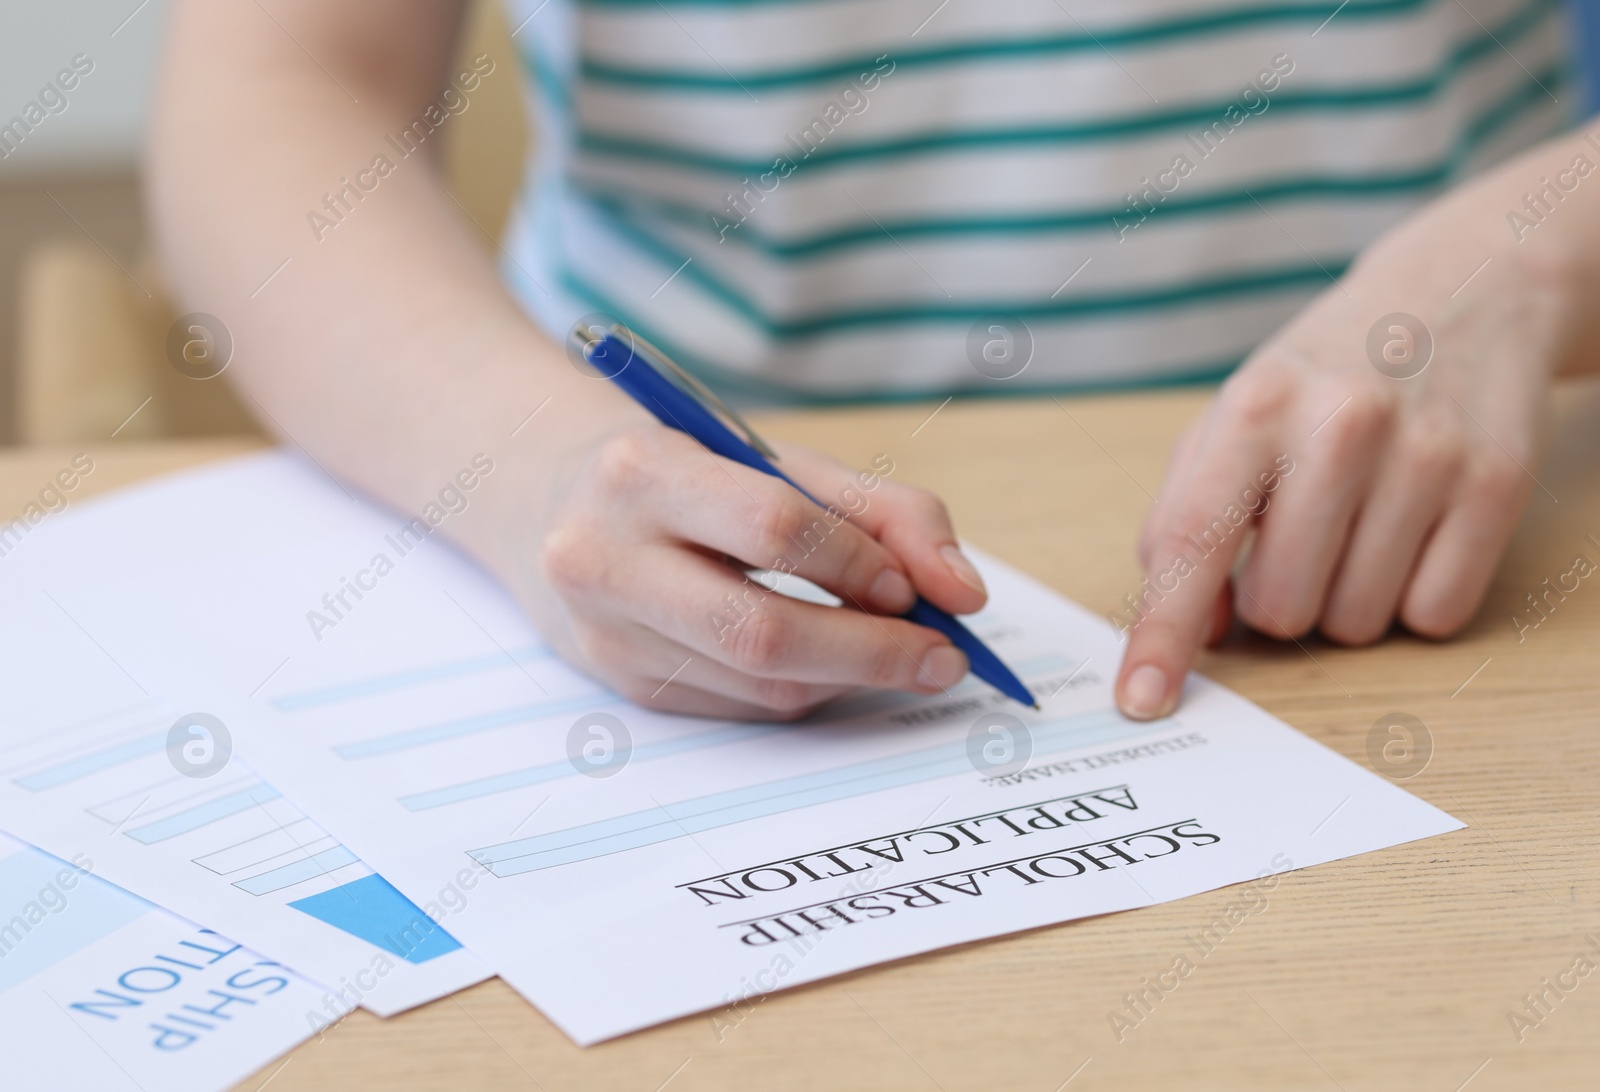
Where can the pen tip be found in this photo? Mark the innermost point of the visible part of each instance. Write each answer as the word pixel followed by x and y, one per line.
pixel 1036 708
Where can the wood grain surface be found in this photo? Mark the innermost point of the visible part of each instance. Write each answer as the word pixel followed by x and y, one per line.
pixel 1394 970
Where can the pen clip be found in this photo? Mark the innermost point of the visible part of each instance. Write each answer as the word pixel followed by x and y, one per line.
pixel 678 377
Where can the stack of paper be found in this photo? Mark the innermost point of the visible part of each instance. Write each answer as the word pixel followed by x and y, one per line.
pixel 404 792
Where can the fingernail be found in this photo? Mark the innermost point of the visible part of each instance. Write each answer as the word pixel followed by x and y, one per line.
pixel 942 667
pixel 1145 692
pixel 962 568
pixel 891 592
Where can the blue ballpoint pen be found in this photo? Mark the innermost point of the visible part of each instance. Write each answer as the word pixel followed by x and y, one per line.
pixel 680 401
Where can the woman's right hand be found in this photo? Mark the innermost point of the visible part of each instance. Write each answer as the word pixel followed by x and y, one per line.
pixel 389 350
pixel 642 583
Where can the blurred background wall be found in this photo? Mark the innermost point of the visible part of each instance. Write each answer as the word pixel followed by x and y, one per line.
pixel 80 342
pixel 74 256
pixel 81 163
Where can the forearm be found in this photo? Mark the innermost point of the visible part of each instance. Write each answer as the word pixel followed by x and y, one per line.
pixel 1537 218
pixel 386 346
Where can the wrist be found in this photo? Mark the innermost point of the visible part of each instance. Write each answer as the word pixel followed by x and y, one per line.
pixel 1536 218
pixel 1470 266
pixel 555 419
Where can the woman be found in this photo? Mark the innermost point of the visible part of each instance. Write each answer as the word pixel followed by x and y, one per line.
pixel 1362 213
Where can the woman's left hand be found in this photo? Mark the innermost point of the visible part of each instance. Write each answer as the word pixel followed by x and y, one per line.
pixel 1379 449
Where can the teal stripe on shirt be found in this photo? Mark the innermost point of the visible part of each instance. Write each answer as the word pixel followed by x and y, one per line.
pixel 1129 126
pixel 1076 307
pixel 825 244
pixel 1377 186
pixel 755 387
pixel 1080 306
pixel 1155 32
pixel 1273 290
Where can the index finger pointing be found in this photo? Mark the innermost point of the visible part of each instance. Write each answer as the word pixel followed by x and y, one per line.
pixel 1192 545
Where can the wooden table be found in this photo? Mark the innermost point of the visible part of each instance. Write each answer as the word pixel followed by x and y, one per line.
pixel 1393 970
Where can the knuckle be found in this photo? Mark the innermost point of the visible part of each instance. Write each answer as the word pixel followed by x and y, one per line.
pixel 923 504
pixel 928 503
pixel 1433 454
pixel 763 642
pixel 1191 531
pixel 1185 523
pixel 1498 478
pixel 1249 610
pixel 1435 619
pixel 624 462
pixel 589 643
pixel 601 651
pixel 1274 611
pixel 887 665
pixel 1353 627
pixel 786 698
pixel 1258 398
pixel 568 561
pixel 776 524
pixel 1367 414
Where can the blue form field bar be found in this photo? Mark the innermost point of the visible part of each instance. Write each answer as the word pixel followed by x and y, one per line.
pixel 201 814
pixel 64 772
pixel 550 771
pixel 308 868
pixel 688 817
pixel 466 726
pixel 402 679
pixel 370 908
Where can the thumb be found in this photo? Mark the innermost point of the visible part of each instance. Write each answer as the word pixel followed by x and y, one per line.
pixel 911 523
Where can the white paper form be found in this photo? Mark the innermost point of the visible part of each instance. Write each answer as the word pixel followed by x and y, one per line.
pixel 429 730
pixel 88 764
pixel 99 989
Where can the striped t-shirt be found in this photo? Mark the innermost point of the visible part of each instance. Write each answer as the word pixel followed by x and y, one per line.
pixel 866 198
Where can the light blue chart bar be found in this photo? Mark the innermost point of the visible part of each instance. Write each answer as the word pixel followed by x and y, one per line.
pixel 466 726
pixel 688 817
pixel 85 765
pixel 550 771
pixel 202 814
pixel 308 868
pixel 401 679
pixel 534 775
pixel 34 938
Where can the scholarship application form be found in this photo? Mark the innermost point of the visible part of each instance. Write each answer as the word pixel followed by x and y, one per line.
pixel 620 867
pixel 90 764
pixel 99 989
